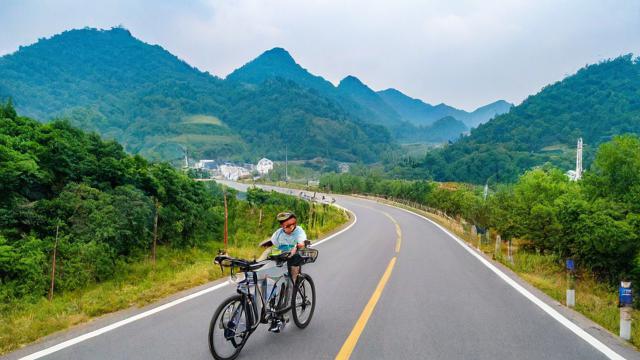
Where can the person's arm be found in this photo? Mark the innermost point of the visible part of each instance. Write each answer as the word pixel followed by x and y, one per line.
pixel 300 239
pixel 266 243
pixel 294 250
pixel 271 241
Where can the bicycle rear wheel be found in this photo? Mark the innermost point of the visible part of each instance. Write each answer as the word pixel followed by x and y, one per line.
pixel 303 301
pixel 229 329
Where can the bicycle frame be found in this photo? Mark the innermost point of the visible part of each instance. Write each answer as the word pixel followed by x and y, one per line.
pixel 273 297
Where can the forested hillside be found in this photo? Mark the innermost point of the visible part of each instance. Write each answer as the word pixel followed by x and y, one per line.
pixel 599 101
pixel 157 105
pixel 280 113
pixel 67 192
pixel 99 201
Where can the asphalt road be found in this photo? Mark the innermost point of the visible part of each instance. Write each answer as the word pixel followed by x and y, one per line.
pixel 440 302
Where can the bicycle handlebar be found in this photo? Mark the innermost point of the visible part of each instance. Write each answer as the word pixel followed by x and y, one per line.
pixel 227 261
pixel 309 255
pixel 247 265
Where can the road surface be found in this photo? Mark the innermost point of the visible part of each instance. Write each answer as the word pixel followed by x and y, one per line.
pixel 439 301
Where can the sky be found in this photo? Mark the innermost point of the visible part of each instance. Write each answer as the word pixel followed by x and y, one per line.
pixel 463 53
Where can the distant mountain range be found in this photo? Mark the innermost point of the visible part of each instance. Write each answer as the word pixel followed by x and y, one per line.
pixel 390 108
pixel 159 106
pixel 596 103
pixel 420 113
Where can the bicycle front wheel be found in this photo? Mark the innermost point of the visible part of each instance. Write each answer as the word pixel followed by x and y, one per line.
pixel 303 301
pixel 229 329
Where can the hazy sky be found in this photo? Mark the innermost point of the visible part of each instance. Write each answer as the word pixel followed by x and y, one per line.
pixel 463 53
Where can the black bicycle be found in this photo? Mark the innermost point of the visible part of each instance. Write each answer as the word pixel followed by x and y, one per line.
pixel 264 295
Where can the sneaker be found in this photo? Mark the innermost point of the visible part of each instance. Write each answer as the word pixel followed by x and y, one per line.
pixel 276 326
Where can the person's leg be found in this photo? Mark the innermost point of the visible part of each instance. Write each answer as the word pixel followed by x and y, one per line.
pixel 294 267
pixel 294 272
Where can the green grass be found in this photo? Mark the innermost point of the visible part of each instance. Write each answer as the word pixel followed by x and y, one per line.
pixel 202 119
pixel 556 147
pixel 135 284
pixel 203 139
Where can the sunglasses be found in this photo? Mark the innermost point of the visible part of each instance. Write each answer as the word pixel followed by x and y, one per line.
pixel 290 226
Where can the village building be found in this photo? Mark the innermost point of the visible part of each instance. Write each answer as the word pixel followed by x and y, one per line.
pixel 234 173
pixel 206 164
pixel 264 166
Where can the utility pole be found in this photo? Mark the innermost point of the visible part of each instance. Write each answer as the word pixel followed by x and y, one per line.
pixel 579 160
pixel 186 157
pixel 226 220
pixel 286 163
pixel 53 263
pixel 155 231
pixel 486 190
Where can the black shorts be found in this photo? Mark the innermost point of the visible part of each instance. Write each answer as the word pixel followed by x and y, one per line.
pixel 295 260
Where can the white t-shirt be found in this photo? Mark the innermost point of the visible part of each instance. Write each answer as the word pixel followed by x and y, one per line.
pixel 285 242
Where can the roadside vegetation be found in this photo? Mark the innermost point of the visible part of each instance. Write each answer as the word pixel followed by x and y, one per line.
pixel 71 196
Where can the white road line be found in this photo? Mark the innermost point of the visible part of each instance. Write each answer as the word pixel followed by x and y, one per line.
pixel 541 304
pixel 87 336
pixel 120 323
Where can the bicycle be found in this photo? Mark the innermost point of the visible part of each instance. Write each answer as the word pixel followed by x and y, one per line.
pixel 262 296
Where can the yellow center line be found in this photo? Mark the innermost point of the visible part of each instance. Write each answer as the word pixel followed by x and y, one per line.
pixel 352 340
pixel 398 231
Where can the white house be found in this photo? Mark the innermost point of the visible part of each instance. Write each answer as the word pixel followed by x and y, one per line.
pixel 232 172
pixel 206 164
pixel 264 166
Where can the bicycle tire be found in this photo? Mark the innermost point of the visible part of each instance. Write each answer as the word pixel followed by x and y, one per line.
pixel 302 303
pixel 220 326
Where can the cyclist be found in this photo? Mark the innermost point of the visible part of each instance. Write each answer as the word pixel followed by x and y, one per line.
pixel 290 237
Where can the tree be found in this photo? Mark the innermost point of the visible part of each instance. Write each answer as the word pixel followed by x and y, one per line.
pixel 615 173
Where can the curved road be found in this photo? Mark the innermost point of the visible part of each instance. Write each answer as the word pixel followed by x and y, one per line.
pixel 439 302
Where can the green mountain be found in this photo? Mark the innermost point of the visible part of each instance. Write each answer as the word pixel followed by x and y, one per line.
pixel 415 110
pixel 278 63
pixel 597 102
pixel 352 88
pixel 487 112
pixel 110 82
pixel 280 112
pixel 356 98
pixel 447 128
pixel 157 105
pixel 441 131
pixel 422 114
